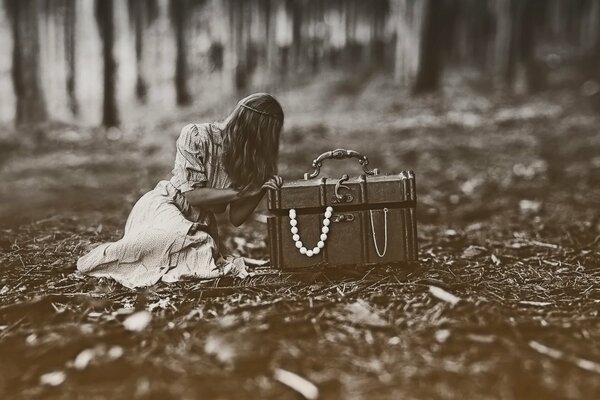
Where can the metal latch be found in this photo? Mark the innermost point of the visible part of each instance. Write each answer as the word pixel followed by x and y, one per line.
pixel 342 198
pixel 342 218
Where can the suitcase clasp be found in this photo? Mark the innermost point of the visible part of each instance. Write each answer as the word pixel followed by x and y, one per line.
pixel 342 198
pixel 342 218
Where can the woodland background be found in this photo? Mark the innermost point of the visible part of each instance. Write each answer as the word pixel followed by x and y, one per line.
pixel 493 103
pixel 103 62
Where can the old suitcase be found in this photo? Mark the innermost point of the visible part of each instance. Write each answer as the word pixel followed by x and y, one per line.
pixel 369 219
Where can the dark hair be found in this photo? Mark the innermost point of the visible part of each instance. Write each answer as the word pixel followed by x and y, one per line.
pixel 251 141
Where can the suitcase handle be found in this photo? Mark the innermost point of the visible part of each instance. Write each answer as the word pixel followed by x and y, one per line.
pixel 340 154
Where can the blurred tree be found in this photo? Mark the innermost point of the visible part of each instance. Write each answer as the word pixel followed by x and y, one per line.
pixel 408 26
pixel 315 29
pixel 70 11
pixel 141 15
pixel 31 106
pixel 295 8
pixel 216 54
pixel 379 10
pixel 353 50
pixel 532 22
pixel 268 32
pixel 527 19
pixel 238 24
pixel 436 35
pixel 180 13
pixel 512 43
pixel 474 34
pixel 501 46
pixel 105 20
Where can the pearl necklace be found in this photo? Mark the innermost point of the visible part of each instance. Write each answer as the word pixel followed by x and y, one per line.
pixel 323 237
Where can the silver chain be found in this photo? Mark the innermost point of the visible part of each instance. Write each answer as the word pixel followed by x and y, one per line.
pixel 385 213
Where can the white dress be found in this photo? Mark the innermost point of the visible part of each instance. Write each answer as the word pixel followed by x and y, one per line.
pixel 165 237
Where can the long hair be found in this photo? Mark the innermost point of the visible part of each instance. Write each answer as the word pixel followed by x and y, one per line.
pixel 251 141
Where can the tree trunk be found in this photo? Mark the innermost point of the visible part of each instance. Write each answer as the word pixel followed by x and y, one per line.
pixel 316 40
pixel 353 50
pixel 70 24
pixel 503 38
pixel 179 18
pixel 31 106
pixel 531 20
pixel 409 21
pixel 105 19
pixel 377 51
pixel 295 8
pixel 269 32
pixel 238 23
pixel 526 16
pixel 138 18
pixel 431 62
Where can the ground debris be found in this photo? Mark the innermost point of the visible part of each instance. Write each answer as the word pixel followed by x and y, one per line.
pixel 443 295
pixel 556 354
pixel 523 277
pixel 306 388
pixel 54 378
pixel 138 321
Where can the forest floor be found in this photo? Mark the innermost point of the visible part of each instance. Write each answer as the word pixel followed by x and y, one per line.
pixel 503 305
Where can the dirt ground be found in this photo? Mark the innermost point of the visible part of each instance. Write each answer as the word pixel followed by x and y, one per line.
pixel 503 305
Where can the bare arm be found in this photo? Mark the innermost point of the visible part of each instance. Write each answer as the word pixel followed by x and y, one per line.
pixel 240 210
pixel 209 197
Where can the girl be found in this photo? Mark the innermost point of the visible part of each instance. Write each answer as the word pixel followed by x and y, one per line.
pixel 171 231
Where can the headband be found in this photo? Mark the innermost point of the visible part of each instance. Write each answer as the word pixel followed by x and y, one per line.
pixel 258 111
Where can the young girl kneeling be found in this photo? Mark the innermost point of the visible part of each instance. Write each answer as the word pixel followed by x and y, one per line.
pixel 171 231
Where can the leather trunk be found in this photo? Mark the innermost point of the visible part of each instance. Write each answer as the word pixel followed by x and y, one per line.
pixel 373 219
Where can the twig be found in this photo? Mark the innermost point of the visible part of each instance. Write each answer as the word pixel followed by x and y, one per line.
pixel 294 381
pixel 10 328
pixel 543 244
pixel 560 355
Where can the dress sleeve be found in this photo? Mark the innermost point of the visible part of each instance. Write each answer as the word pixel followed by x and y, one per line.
pixel 189 171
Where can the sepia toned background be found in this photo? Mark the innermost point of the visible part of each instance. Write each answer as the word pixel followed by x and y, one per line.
pixel 110 61
pixel 495 104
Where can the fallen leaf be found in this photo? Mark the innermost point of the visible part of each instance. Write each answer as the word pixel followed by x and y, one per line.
pixel 556 354
pixel 59 308
pixel 479 338
pixel 124 311
pixel 138 321
pixel 294 381
pixel 84 358
pixel 451 232
pixel 96 355
pixel 361 313
pixel 530 206
pixel 495 259
pixel 548 351
pixel 115 352
pixel 221 349
pixel 94 315
pixel 54 378
pixel 443 295
pixel 442 335
pixel 163 304
pixel 473 251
